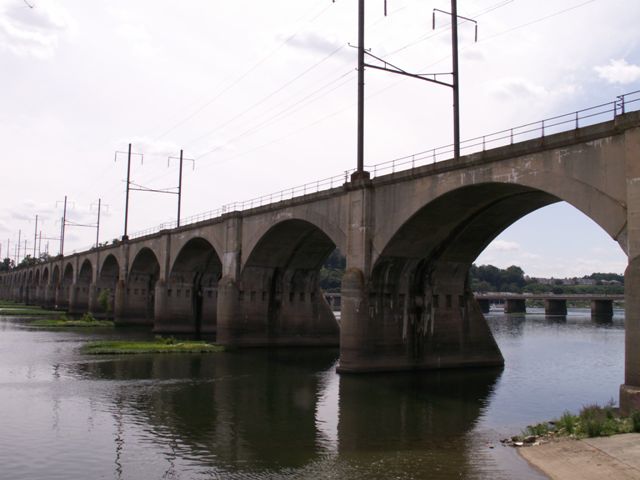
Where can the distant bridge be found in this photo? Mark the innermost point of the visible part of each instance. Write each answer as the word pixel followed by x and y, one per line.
pixel 250 277
pixel 554 304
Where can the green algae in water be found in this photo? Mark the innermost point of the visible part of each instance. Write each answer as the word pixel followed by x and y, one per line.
pixel 119 347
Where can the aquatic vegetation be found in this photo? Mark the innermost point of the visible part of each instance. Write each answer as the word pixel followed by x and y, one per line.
pixel 158 345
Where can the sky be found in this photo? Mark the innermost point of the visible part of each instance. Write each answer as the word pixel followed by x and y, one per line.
pixel 262 97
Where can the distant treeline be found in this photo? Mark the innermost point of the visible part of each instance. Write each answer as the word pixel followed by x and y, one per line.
pixel 487 278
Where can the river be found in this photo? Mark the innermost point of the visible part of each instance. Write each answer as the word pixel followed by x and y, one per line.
pixel 286 414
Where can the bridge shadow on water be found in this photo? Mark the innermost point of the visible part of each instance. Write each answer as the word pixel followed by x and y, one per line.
pixel 287 410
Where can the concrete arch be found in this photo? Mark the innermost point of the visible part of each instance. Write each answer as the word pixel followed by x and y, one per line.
pixel 110 267
pixel 558 173
pixel 473 215
pixel 85 274
pixel 279 294
pixel 82 293
pixel 45 275
pixel 190 292
pixel 106 284
pixel 64 291
pixel 145 262
pixel 114 254
pixel 139 297
pixel 319 222
pixel 179 242
pixel 197 254
pixel 418 294
pixel 55 274
pixel 139 252
pixel 68 273
pixel 291 243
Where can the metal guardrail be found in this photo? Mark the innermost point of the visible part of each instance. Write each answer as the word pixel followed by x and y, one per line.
pixel 561 123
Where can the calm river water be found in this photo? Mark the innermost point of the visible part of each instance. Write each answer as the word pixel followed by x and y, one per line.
pixel 286 414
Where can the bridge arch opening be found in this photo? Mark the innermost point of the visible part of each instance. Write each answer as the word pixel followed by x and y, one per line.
pixel 422 310
pixel 29 288
pixel 106 285
pixel 55 276
pixel 141 285
pixel 83 286
pixel 279 290
pixel 66 282
pixel 192 290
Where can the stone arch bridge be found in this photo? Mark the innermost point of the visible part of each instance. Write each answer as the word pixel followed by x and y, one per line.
pixel 251 278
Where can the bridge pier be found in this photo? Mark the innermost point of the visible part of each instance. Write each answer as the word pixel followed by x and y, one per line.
pixel 119 302
pixel 399 328
pixel 230 328
pixel 630 390
pixel 92 299
pixel 48 296
pixel 515 305
pixel 602 309
pixel 73 305
pixel 484 304
pixel 555 307
pixel 630 241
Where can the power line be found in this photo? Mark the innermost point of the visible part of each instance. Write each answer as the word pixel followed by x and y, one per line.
pixel 272 119
pixel 538 20
pixel 241 77
pixel 270 95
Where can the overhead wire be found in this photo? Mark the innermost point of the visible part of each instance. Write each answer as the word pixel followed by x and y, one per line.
pixel 241 77
pixel 268 96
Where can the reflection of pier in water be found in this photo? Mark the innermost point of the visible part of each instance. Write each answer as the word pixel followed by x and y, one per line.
pixel 269 409
pixel 554 304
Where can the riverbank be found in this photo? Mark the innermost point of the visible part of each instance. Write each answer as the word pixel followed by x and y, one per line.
pixel 616 457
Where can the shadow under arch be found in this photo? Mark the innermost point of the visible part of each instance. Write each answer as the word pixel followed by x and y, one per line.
pixel 139 294
pixel 64 289
pixel 279 298
pixel 191 290
pixel 83 287
pixel 106 286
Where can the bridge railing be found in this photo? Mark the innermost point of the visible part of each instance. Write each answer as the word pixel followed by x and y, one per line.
pixel 528 131
pixel 560 123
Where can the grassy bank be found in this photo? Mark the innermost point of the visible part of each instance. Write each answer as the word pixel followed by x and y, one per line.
pixel 20 309
pixel 592 421
pixel 159 345
pixel 87 320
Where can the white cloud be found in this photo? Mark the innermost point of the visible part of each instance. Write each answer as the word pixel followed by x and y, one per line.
pixel 503 246
pixel 149 146
pixel 509 88
pixel 619 71
pixel 313 41
pixel 33 31
pixel 139 38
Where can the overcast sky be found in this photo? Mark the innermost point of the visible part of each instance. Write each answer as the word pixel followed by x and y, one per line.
pixel 262 96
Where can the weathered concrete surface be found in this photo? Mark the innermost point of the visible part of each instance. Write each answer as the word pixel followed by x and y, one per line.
pixel 616 457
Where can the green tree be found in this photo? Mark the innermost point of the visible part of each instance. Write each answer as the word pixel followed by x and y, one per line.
pixel 7 264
